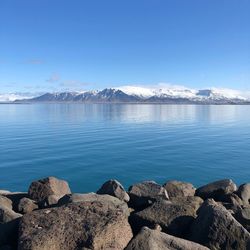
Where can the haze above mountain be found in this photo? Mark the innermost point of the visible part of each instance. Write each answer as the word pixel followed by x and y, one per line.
pixel 140 94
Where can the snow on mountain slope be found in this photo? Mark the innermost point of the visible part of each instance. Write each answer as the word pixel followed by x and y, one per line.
pixel 182 92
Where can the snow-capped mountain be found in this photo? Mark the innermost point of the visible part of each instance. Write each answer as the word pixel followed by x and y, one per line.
pixel 163 94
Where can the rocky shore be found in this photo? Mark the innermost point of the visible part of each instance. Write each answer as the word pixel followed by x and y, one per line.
pixel 173 216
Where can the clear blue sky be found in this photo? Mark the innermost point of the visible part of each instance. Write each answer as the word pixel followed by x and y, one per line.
pixel 89 44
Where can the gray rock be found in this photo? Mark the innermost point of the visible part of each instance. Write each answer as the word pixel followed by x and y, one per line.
pixel 174 217
pixel 93 197
pixel 216 190
pixel 152 239
pixel 144 193
pixel 80 225
pixel 243 216
pixel 244 193
pixel 7 214
pixel 217 229
pixel 26 205
pixel 40 190
pixel 114 188
pixel 5 202
pixel 179 189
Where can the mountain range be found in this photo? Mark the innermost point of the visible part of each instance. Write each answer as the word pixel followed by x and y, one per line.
pixel 132 94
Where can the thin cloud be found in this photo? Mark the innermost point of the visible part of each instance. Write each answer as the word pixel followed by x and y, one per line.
pixel 35 61
pixel 53 78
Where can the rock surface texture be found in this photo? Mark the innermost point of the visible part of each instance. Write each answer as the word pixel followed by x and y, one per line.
pixel 153 239
pixel 175 216
pixel 179 189
pixel 217 229
pixel 86 224
pixel 114 188
pixel 144 193
pixel 216 190
pixel 40 190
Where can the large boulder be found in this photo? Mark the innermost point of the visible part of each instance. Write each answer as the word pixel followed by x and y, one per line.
pixel 216 190
pixel 5 202
pixel 92 225
pixel 26 205
pixel 93 197
pixel 144 193
pixel 153 239
pixel 217 229
pixel 244 193
pixel 40 190
pixel 114 188
pixel 179 189
pixel 174 217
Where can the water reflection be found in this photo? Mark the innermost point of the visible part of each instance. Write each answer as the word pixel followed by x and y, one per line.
pixel 125 113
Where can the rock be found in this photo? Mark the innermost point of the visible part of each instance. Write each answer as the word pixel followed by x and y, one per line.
pixel 41 189
pixel 8 225
pixel 4 192
pixel 216 190
pixel 5 202
pixel 15 198
pixel 243 216
pixel 153 239
pixel 26 205
pixel 114 188
pixel 179 189
pixel 217 229
pixel 174 217
pixel 144 193
pixel 244 193
pixel 7 214
pixel 92 197
pixel 81 225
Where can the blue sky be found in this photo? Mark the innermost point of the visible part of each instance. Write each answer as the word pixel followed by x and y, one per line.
pixel 51 45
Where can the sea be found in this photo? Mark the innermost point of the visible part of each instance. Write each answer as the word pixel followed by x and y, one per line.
pixel 88 144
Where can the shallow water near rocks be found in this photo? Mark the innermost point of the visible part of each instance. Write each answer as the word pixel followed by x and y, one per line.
pixel 87 144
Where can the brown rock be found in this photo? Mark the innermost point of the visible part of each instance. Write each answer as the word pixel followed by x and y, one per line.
pixel 174 217
pixel 5 202
pixel 15 198
pixel 144 193
pixel 41 189
pixel 153 239
pixel 216 190
pixel 114 188
pixel 217 229
pixel 93 197
pixel 179 189
pixel 26 205
pixel 243 216
pixel 88 224
pixel 244 193
pixel 7 214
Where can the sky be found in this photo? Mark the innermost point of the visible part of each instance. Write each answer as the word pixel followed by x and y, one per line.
pixel 57 45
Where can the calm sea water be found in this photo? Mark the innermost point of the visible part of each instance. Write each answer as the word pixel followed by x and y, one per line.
pixel 88 144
